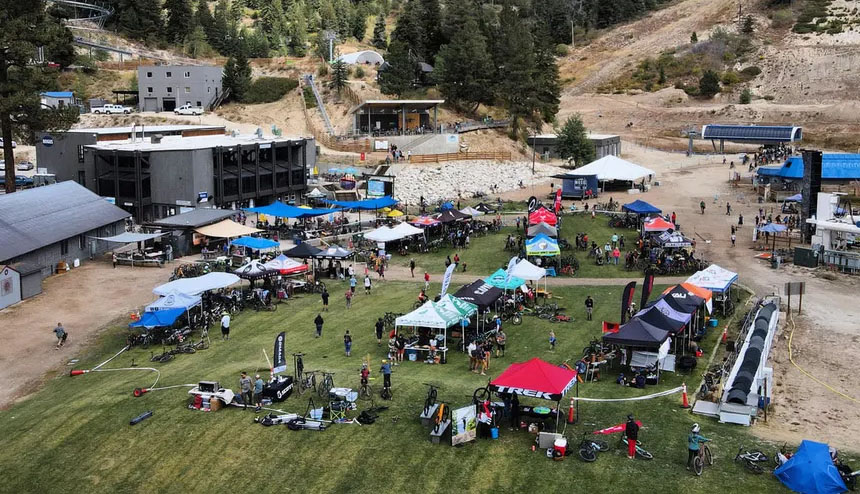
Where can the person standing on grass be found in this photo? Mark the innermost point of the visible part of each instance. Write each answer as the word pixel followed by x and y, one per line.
pixel 350 271
pixel 60 331
pixel 589 307
pixel 501 341
pixel 479 358
pixel 472 350
pixel 379 327
pixel 324 297
pixel 367 285
pixel 614 239
pixel 412 267
pixel 245 388
pixel 318 322
pixel 607 252
pixel 258 393
pixel 347 343
pixel 552 340
pixel 631 431
pixel 348 296
pixel 353 282
pixel 488 351
pixel 616 254
pixel 225 326
pixel 456 258
pixel 386 374
pixel 426 280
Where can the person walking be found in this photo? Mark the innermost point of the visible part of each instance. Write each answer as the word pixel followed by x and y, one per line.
pixel 702 206
pixel 674 218
pixel 379 327
pixel 728 208
pixel 367 285
pixel 348 296
pixel 350 271
pixel 616 254
pixel 324 297
pixel 225 326
pixel 426 280
pixel 412 267
pixel 740 220
pixel 552 340
pixel 245 388
pixel 381 270
pixel 353 282
pixel 447 261
pixel 318 322
pixel 347 343
pixel 733 239
pixel 258 393
pixel 501 341
pixel 61 333
pixel 693 440
pixel 631 431
pixel 589 307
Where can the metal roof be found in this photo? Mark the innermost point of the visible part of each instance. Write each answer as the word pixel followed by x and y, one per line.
pixel 35 218
pixel 194 219
pixel 58 94
pixel 395 104
pixel 179 143
pixel 762 134
pixel 833 167
pixel 148 128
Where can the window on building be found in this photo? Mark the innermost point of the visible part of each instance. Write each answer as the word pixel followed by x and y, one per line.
pixel 82 242
pixel 149 74
pixel 168 74
pixel 187 74
pixel 64 247
pixel 149 90
pixel 169 90
pixel 208 89
pixel 187 90
pixel 80 154
pixel 198 104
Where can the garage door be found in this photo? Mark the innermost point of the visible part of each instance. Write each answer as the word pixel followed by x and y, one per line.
pixel 169 104
pixel 150 104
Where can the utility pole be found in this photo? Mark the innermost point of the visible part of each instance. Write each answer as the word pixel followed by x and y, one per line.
pixel 572 42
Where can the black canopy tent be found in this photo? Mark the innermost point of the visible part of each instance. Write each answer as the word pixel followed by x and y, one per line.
pixel 450 215
pixel 479 293
pixel 637 333
pixel 303 251
pixel 657 318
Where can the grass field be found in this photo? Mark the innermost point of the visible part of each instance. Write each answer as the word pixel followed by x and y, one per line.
pixel 73 434
pixel 486 254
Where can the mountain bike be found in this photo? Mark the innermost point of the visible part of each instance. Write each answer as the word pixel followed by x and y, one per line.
pixel 164 356
pixel 441 416
pixel 386 393
pixel 365 391
pixel 702 458
pixel 640 452
pixel 325 385
pixel 431 398
pixel 589 447
pixel 751 460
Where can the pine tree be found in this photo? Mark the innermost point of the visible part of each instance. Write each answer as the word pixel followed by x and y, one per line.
pixel 195 45
pixel 221 28
pixel 573 143
pixel 179 20
pixel 694 38
pixel 298 29
pixel 339 75
pixel 431 16
pixel 546 79
pixel 237 75
pixel 380 38
pixel 237 11
pixel 273 22
pixel 205 20
pixel 749 25
pixel 515 62
pixel 410 29
pixel 709 84
pixel 140 19
pixel 463 66
pixel 358 23
pixel 397 78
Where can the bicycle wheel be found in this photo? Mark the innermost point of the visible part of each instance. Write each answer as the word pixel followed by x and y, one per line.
pixel 516 319
pixel 601 445
pixel 386 393
pixel 481 395
pixel 644 454
pixel 587 453
pixel 545 315
pixel 753 467
pixel 707 454
pixel 553 319
pixel 365 392
pixel 698 465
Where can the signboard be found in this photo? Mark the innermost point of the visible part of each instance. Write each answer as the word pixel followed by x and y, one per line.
pixel 202 197
pixel 375 188
pixel 465 425
pixel 795 288
pixel 47 141
pixel 533 204
pixel 380 145
pixel 180 202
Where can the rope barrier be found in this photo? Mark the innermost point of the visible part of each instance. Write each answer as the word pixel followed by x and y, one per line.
pixel 635 398
pixel 801 369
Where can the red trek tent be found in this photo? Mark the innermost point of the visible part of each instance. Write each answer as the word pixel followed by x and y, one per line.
pixel 544 215
pixel 535 378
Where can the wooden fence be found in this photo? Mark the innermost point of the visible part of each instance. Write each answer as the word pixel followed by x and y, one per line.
pixel 436 158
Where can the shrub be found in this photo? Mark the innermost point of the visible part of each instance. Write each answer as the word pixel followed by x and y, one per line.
pixel 561 50
pixel 781 19
pixel 269 89
pixel 308 94
pixel 709 84
pixel 730 77
pixel 359 72
pixel 322 70
pixel 746 96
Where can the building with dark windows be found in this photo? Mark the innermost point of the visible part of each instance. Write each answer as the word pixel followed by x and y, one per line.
pixel 167 87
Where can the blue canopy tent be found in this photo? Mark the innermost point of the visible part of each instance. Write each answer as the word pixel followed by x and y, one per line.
pixel 811 471
pixel 365 205
pixel 281 210
pixel 640 207
pixel 497 280
pixel 542 245
pixel 174 300
pixel 161 318
pixel 256 243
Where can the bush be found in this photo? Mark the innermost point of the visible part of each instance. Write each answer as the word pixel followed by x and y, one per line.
pixel 781 19
pixel 269 89
pixel 308 94
pixel 730 77
pixel 359 72
pixel 746 96
pixel 561 50
pixel 322 70
pixel 709 84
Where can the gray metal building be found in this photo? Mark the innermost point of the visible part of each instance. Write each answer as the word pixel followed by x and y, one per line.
pixel 604 145
pixel 46 225
pixel 166 87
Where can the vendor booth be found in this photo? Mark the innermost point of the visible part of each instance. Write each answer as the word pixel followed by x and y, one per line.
pixel 719 281
pixel 278 209
pixel 451 215
pixel 577 186
pixel 641 208
pixel 333 252
pixel 256 244
pixel 674 240
pixel 390 234
pixel 542 228
pixel 472 211
pixel 198 285
pixel 253 270
pixel 536 379
pixel 542 246
pixel 159 319
pixel 658 224
pixel 441 315
pixel 612 168
pixel 285 266
pixel 226 229
pixel 303 251
pixel 500 279
pixel 543 215
pixel 480 293
pixel 425 221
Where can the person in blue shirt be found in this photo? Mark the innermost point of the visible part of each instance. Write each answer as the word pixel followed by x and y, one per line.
pixel 258 392
pixel 352 283
pixel 693 440
pixel 386 374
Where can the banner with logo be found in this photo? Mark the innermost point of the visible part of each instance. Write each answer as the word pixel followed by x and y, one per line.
pixel 627 299
pixel 446 280
pixel 513 262
pixel 647 286
pixel 533 204
pixel 279 357
pixel 557 201
pixel 465 425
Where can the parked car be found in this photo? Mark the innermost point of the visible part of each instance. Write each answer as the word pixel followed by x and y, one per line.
pixel 187 109
pixel 20 181
pixel 24 166
pixel 108 109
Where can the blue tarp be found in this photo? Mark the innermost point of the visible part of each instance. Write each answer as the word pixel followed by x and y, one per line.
pixel 281 210
pixel 834 166
pixel 58 94
pixel 773 228
pixel 811 471
pixel 255 243
pixel 497 280
pixel 640 207
pixel 366 205
pixel 161 318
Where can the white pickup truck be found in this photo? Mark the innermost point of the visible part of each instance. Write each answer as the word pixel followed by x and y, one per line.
pixel 187 109
pixel 107 109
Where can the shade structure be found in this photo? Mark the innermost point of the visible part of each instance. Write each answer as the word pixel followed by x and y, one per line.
pixel 637 333
pixel 286 266
pixel 281 210
pixel 333 252
pixel 657 318
pixel 614 168
pixel 528 271
pixel 256 243
pixel 316 194
pixel 253 270
pixel 176 300
pixel 772 228
pixel 542 245
pixel 425 221
pixel 386 234
pixel 811 470
pixel 640 207
pixel 480 293
pixel 130 237
pixel 674 240
pixel 472 211
pixel 430 315
pixel 542 215
pixel 158 319
pixel 303 251
pixel 535 378
pixel 682 300
pixel 451 303
pixel 795 198
pixel 714 278
pixel 367 204
pixel 671 312
pixel 544 228
pixel 197 285
pixel 485 208
pixel 226 229
pixel 498 278
pixel 450 215
pixel 695 291
pixel 394 213
pixel 658 224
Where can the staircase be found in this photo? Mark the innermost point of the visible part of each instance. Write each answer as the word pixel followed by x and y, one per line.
pixel 220 99
pixel 309 80
pixel 411 145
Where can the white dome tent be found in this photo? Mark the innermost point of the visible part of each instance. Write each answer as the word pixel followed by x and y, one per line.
pixel 369 57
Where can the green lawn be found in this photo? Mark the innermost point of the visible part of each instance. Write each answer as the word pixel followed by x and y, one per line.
pixel 73 435
pixel 486 254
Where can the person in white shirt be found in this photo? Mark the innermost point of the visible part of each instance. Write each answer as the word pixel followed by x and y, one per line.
pixel 225 326
pixel 471 349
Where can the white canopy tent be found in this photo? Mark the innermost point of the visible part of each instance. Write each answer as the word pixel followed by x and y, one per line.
pixel 714 278
pixel 471 211
pixel 174 300
pixel 442 315
pixel 614 168
pixel 527 271
pixel 198 285
pixel 386 234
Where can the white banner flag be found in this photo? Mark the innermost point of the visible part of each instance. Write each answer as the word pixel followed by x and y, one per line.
pixel 513 262
pixel 447 279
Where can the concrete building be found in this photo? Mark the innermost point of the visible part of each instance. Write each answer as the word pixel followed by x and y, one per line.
pixel 604 145
pixel 395 117
pixel 166 87
pixel 46 225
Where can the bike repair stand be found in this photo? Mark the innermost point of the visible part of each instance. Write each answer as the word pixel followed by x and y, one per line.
pixel 427 418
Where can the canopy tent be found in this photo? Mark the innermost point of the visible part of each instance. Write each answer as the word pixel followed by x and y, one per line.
pixel 446 206
pixel 714 278
pixel 795 198
pixel 285 266
pixel 670 311
pixel 425 221
pixel 480 293
pixel 637 333
pixel 158 319
pixel 772 228
pixel 674 240
pixel 810 470
pixel 281 210
pixel 485 208
pixel 528 271
pixel 256 243
pixel 451 303
pixel 450 215
pixel 472 211
pixel 640 207
pixel 658 224
pixel 303 251
pixel 497 280
pixel 198 285
pixel 614 168
pixel 333 252
pixel 394 213
pixel 316 194
pixel 688 294
pixel 542 215
pixel 430 315
pixel 129 237
pixel 657 318
pixel 226 229
pixel 541 245
pixel 253 270
pixel 544 228
pixel 175 300
pixel 386 234
pixel 578 186
pixel 367 204
pixel 535 378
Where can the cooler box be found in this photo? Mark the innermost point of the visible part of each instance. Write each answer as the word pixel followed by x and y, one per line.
pixel 560 445
pixel 413 355
pixel 714 322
